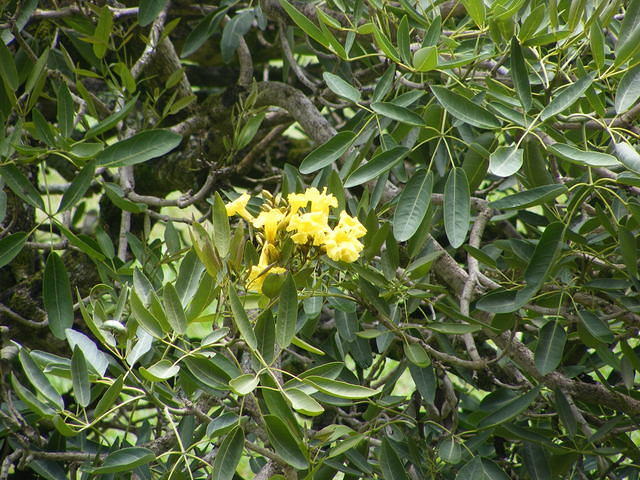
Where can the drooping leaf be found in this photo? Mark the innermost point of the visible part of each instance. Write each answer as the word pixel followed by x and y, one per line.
pixel 202 31
pixel 566 98
pixel 221 229
pixel 80 378
pixel 390 462
pixel 381 163
pixel 548 354
pixel 57 296
pixel 233 31
pixel 327 153
pixel 520 75
pixel 287 312
pixel 506 160
pixel 530 198
pixel 78 187
pixel 241 320
pixel 457 204
pixel 341 87
pixel 584 158
pixel 125 460
pixel 22 187
pixel 464 109
pixel 228 456
pixel 65 111
pixel 139 148
pixel 290 448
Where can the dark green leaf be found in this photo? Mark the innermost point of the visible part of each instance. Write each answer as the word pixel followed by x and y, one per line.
pixel 529 198
pixel 304 23
pixel 149 10
pixel 450 451
pixel 327 153
pixel 378 165
pixel 584 158
pixel 201 33
pixel 241 320
pixel 339 389
pixel 536 461
pixel 233 31
pixel 629 36
pixel 109 398
pixel 464 109
pixel 78 187
pixel 597 327
pixel 390 462
pixel 545 254
pixel 112 120
pixel 628 90
pixel 520 74
pixel 290 448
pixel 505 161
pixel 457 204
pixel 125 460
pixel 34 373
pixel 341 87
pixel 173 309
pixel 627 154
pixel 550 347
pixel 481 469
pixel 566 98
pixel 65 111
pixel 22 187
pixel 228 455
pixel 80 378
pixel 221 230
pixel 398 113
pixel 139 148
pixel 57 296
pixel 287 312
pixel 10 246
pixel 510 410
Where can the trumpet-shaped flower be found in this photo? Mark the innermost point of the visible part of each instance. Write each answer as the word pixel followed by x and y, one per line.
pixel 239 207
pixel 269 222
pixel 342 246
pixel 320 201
pixel 351 225
pixel 258 274
pixel 312 225
pixel 297 201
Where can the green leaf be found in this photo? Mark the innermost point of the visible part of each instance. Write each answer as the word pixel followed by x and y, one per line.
pixel 627 154
pixel 233 31
pixel 287 312
pixel 125 460
pixel 139 148
pixel 383 42
pixel 481 469
pixel 65 111
pixel 581 157
pixel 303 403
pixel 426 58
pixel 425 380
pixel 221 229
pixel 339 389
pixel 398 113
pixel 545 254
pixel 290 448
pixel 520 75
pixel 160 371
pixel 327 153
pixel 244 384
pixel 341 87
pixel 249 130
pixel 80 378
pixel 304 23
pixel 629 35
pixel 536 461
pixel 628 90
pixel 144 317
pixel 173 309
pixel 390 462
pixel 510 410
pixel 450 451
pixel 22 187
pixel 30 400
pixel 102 33
pixel 413 204
pixel 565 412
pixel 10 246
pixel 566 98
pixel 108 399
pixel 629 250
pixel 378 165
pixel 78 187
pixel 417 354
pixel 530 198
pixel 596 38
pixel 453 328
pixel 57 296
pixel 112 120
pixel 241 320
pixel 149 10
pixel 464 109
pixel 38 380
pixel 597 327
pixel 228 455
pixel 457 204
pixel 550 348
pixel 8 70
pixel 505 161
pixel 202 31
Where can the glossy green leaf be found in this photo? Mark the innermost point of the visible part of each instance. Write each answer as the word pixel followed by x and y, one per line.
pixel 327 153
pixel 102 32
pixel 565 412
pixel 249 130
pixel 453 328
pixel 417 354
pixel 78 187
pixel 465 110
pixel 381 163
pixel 10 246
pixel 520 75
pixel 581 157
pixel 481 469
pixel 160 371
pixel 97 360
pixel 57 296
pixel 144 317
pixel 566 98
pixel 290 448
pixel 510 410
pixel 450 450
pixel 42 385
pixel 629 36
pixel 413 204
pixel 228 456
pixel 125 460
pixel 629 249
pixel 536 461
pixel 597 327
pixel 149 10
pixel 30 400
pixel 65 111
pixel 233 32
pixel 339 389
pixel 108 399
pixel 112 120
pixel 530 198
pixel 341 87
pixel 202 31
pixel 139 148
pixel 80 378
pixel 304 23
pixel 241 320
pixel 628 91
pixel 117 197
pixel 173 309
pixel 390 462
pixel 244 384
pixel 596 38
pixel 476 10
pixel 287 312
pixel 506 160
pixel 303 403
pixel 548 354
pixel 545 254
pixel 426 58
pixel 457 204
pixel 628 155
pixel 8 70
pixel 221 229
pixel 398 113
pixel 425 380
pixel 22 187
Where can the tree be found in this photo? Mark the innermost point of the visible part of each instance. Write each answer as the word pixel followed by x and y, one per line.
pixel 345 239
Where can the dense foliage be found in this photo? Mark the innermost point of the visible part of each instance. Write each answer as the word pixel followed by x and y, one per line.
pixel 343 239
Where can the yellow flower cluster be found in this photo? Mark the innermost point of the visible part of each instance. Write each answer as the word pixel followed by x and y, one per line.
pixel 306 221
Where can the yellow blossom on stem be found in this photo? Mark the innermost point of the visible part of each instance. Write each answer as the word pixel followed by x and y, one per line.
pixel 342 246
pixel 239 207
pixel 312 225
pixel 269 222
pixel 259 272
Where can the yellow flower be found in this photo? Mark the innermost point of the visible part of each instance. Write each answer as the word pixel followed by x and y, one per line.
pixel 297 201
pixel 269 222
pixel 351 225
pixel 342 246
pixel 239 207
pixel 258 274
pixel 311 225
pixel 320 202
